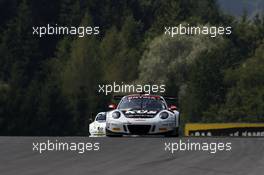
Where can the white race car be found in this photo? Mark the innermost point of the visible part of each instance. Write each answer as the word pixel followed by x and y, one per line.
pixel 142 115
pixel 97 127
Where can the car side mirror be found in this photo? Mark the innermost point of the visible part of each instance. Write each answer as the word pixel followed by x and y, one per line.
pixel 90 120
pixel 112 106
pixel 173 107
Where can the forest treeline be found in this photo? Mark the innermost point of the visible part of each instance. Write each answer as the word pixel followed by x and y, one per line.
pixel 49 85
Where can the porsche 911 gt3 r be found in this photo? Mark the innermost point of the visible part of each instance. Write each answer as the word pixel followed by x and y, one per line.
pixel 97 128
pixel 142 115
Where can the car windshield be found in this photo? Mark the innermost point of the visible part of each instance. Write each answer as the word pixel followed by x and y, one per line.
pixel 100 117
pixel 141 103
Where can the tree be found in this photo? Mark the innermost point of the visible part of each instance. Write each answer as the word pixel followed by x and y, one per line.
pixel 187 66
pixel 80 77
pixel 20 69
pixel 70 12
pixel 245 100
pixel 120 52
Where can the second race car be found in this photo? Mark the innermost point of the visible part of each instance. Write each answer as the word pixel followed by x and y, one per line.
pixel 97 128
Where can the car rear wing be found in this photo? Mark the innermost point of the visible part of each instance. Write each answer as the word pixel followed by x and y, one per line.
pixel 167 98
pixel 170 98
pixel 118 97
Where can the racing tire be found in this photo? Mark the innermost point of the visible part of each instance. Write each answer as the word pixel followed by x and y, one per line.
pixel 174 133
pixel 111 134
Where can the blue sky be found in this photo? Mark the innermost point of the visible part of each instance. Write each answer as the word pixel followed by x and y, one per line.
pixel 237 7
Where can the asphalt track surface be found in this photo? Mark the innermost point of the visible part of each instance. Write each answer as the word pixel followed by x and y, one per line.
pixel 124 156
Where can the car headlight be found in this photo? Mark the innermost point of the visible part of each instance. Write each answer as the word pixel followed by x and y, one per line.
pixel 164 115
pixel 116 115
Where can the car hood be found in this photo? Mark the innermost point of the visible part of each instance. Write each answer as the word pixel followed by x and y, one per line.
pixel 98 124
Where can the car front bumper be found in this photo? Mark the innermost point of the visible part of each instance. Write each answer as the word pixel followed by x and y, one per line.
pixel 141 128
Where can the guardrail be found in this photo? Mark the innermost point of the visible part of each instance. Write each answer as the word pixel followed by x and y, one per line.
pixel 225 129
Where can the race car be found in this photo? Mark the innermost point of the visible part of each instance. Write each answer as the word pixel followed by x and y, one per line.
pixel 97 127
pixel 142 114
